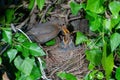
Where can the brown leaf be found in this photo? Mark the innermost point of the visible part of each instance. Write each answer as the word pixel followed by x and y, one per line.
pixel 5 77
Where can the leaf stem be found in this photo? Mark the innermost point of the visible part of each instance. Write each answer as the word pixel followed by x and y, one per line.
pixel 42 70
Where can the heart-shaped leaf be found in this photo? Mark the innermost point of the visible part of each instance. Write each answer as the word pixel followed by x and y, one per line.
pixel 114 7
pixel 12 54
pixel 7 35
pixel 80 38
pixel 114 41
pixel 35 50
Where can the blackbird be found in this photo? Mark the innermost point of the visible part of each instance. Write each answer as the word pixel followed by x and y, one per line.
pixel 44 32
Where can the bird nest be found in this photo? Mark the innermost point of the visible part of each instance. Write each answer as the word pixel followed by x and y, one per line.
pixel 71 60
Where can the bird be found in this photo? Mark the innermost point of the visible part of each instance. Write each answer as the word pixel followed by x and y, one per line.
pixel 43 32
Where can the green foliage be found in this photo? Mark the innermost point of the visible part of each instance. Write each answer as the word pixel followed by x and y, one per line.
pixel 118 27
pixel 80 38
pixel 27 66
pixel 29 51
pixel 9 15
pixel 31 4
pixel 107 24
pixel 12 54
pixel 94 43
pixel 24 65
pixel 35 50
pixel 35 74
pixel 101 48
pixel 7 35
pixel 111 23
pixel 114 7
pixel 75 7
pixel 114 41
pixel 108 64
pixel 117 75
pixel 40 4
pixel 95 21
pixel 94 56
pixel 20 38
pixel 95 6
pixel 66 76
pixel 51 42
pixel 100 75
pixel 21 53
pixel 94 75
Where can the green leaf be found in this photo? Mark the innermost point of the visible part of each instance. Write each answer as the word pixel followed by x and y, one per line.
pixel 87 77
pixel 19 48
pixel 31 4
pixel 95 6
pixel 28 48
pixel 0 60
pixel 107 24
pixel 17 62
pixel 80 38
pixel 66 76
pixel 51 42
pixel 35 74
pixel 95 21
pixel 25 49
pixel 111 23
pixel 27 65
pixel 75 7
pixel 22 77
pixel 115 22
pixel 100 75
pixel 7 35
pixel 35 50
pixel 21 38
pixel 9 14
pixel 114 41
pixel 108 65
pixel 117 74
pixel 24 65
pixel 114 7
pixel 40 4
pixel 12 54
pixel 91 66
pixel 29 78
pixel 94 56
pixel 118 26
pixel 93 74
pixel 94 43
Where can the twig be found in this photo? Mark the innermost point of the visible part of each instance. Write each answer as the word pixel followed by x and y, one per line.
pixel 66 18
pixel 13 28
pixel 115 66
pixel 47 10
pixel 75 18
pixel 24 34
pixel 17 29
pixel 4 49
pixel 42 70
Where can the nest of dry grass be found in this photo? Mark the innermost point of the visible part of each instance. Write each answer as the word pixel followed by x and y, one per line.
pixel 71 60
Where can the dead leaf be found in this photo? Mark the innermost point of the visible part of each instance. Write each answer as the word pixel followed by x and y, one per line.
pixel 5 77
